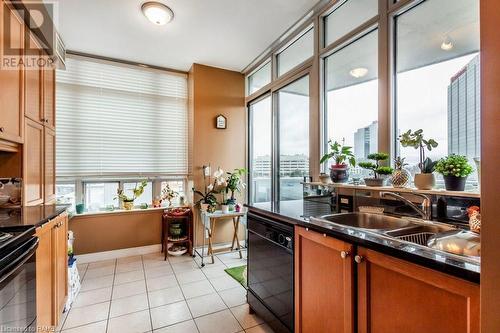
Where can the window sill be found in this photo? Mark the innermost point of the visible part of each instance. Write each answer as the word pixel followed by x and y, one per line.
pixel 467 194
pixel 119 211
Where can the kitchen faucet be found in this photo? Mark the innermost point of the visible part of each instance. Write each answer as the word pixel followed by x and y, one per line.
pixel 425 211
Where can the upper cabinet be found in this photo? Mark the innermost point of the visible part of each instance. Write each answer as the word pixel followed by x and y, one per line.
pixel 11 79
pixel 33 84
pixel 49 105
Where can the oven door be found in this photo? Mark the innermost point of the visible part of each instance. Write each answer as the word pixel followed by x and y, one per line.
pixel 270 276
pixel 18 288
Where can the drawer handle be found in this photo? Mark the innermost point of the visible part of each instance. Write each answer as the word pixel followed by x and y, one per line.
pixel 344 254
pixel 358 259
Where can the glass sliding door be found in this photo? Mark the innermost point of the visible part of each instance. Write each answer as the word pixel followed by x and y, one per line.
pixel 260 129
pixel 293 138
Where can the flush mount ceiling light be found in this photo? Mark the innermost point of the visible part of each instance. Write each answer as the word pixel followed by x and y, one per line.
pixel 447 44
pixel 358 72
pixel 157 12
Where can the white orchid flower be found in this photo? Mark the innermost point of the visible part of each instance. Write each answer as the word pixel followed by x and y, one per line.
pixel 210 187
pixel 219 173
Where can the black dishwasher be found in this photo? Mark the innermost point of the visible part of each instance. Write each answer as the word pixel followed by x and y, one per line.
pixel 270 272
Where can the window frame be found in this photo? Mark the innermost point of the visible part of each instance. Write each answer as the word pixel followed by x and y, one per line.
pixel 80 188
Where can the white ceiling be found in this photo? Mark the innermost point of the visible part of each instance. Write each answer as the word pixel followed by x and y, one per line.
pixel 221 33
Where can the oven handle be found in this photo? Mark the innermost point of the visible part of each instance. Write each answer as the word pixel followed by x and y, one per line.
pixel 271 241
pixel 21 260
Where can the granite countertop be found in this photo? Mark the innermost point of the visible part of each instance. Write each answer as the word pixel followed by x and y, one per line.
pixel 292 212
pixel 33 216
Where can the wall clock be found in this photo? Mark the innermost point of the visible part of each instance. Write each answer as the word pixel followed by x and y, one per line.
pixel 221 122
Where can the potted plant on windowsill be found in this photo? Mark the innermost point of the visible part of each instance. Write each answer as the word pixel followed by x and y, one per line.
pixel 455 170
pixel 341 154
pixel 128 202
pixel 378 171
pixel 425 180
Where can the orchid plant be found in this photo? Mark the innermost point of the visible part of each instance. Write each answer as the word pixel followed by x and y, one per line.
pixel 168 194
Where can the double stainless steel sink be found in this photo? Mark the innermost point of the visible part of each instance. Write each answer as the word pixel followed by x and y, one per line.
pixel 430 234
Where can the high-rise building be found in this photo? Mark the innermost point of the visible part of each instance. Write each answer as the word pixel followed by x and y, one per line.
pixel 464 107
pixel 366 140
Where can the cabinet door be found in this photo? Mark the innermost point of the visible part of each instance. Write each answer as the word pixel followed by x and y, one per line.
pixel 44 274
pixel 396 296
pixel 49 166
pixel 11 80
pixel 33 83
pixel 49 105
pixel 323 283
pixel 61 260
pixel 33 163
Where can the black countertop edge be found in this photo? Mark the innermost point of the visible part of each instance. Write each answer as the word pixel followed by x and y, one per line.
pixel 443 267
pixel 30 216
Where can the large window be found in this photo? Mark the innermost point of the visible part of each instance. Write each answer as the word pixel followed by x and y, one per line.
pixel 351 92
pixel 438 81
pixel 293 115
pixel 260 150
pixel 117 124
pixel 297 52
pixel 348 16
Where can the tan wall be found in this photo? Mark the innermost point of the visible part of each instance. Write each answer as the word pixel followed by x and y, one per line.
pixel 114 231
pixel 490 155
pixel 216 91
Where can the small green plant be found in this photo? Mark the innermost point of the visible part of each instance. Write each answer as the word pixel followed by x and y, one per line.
pixel 235 183
pixel 416 140
pixel 454 165
pixel 376 168
pixel 340 153
pixel 136 192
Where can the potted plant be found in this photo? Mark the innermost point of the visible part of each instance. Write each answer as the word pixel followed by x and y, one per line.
pixel 168 195
pixel 401 176
pixel 234 184
pixel 425 180
pixel 341 154
pixel 455 170
pixel 128 202
pixel 377 169
pixel 208 200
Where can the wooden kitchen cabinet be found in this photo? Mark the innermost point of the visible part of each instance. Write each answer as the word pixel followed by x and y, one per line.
pixel 49 104
pixel 52 274
pixel 323 283
pixel 44 273
pixel 33 163
pixel 11 80
pixel 396 296
pixel 33 83
pixel 49 166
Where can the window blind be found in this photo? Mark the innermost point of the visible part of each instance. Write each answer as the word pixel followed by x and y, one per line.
pixel 114 119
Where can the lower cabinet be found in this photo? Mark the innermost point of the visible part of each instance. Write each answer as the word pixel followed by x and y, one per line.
pixel 51 277
pixel 323 283
pixel 393 295
pixel 397 296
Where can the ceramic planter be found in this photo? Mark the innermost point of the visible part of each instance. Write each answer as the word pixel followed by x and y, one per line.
pixel 339 174
pixel 425 181
pixel 375 182
pixel 225 209
pixel 453 183
pixel 324 178
pixel 128 205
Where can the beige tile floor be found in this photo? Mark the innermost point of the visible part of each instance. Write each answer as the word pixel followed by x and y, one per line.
pixel 147 294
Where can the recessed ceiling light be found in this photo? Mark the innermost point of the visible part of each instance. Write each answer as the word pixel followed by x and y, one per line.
pixel 358 72
pixel 157 12
pixel 447 44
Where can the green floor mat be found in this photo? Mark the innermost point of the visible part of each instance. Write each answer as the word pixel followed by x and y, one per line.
pixel 238 273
